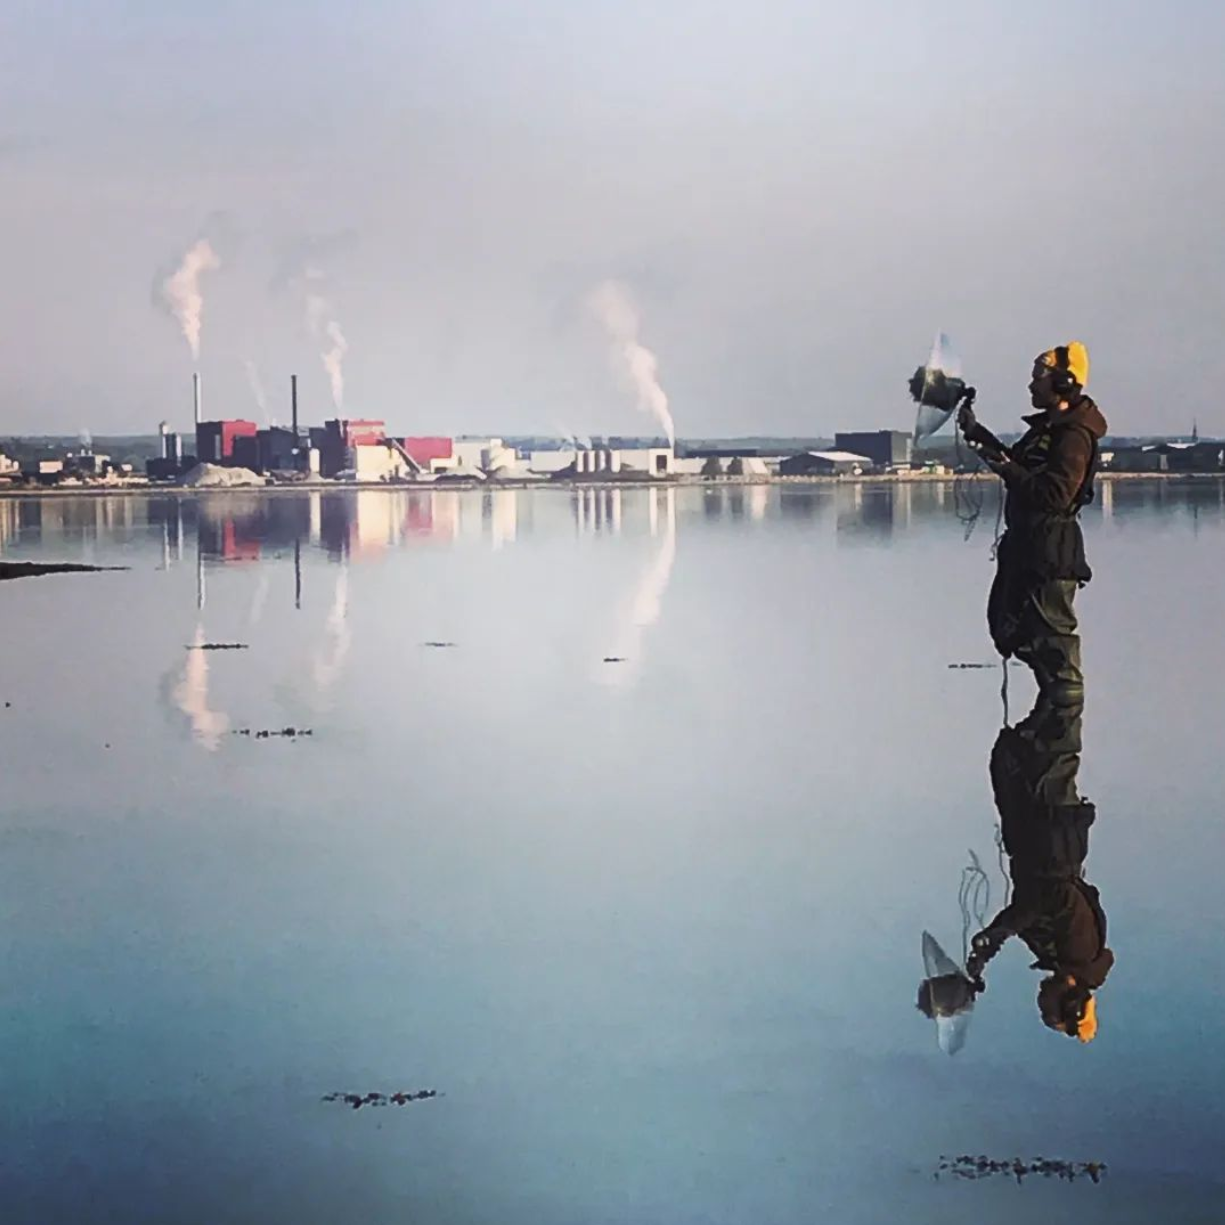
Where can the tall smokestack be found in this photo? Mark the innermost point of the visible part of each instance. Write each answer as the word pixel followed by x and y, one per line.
pixel 293 403
pixel 195 394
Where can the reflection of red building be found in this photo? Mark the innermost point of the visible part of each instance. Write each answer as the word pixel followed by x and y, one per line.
pixel 216 440
pixel 230 538
pixel 419 515
pixel 237 545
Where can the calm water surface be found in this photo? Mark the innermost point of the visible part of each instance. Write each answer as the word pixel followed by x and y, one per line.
pixel 650 927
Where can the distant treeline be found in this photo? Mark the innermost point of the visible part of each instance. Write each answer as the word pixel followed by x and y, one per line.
pixel 122 448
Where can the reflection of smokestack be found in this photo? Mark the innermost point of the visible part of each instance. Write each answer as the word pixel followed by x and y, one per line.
pixel 297 572
pixel 293 403
pixel 199 579
pixel 195 394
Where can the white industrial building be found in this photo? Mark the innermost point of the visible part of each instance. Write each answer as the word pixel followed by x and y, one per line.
pixel 597 461
pixel 825 463
pixel 477 457
pixel 381 461
pixel 726 463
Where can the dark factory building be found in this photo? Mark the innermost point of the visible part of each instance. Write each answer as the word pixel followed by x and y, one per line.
pixel 337 436
pixel 885 448
pixel 227 442
pixel 277 449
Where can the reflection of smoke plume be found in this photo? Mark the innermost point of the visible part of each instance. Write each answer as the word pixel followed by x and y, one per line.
pixel 326 330
pixel 260 598
pixel 643 610
pixel 257 386
pixel 330 660
pixel 191 697
pixel 614 306
pixel 181 290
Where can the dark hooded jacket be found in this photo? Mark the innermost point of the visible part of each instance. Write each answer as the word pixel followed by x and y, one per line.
pixel 1054 910
pixel 1049 479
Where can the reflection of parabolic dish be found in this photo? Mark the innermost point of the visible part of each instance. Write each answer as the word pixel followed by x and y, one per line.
pixel 946 996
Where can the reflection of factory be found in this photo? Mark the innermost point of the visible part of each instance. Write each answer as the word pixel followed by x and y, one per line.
pixel 348 523
pixel 241 528
pixel 9 523
pixel 597 510
pixel 73 520
pixel 874 512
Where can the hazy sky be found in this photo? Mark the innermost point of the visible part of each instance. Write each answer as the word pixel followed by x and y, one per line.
pixel 799 193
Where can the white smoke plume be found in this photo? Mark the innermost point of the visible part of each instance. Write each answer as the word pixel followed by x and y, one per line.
pixel 181 291
pixel 260 598
pixel 257 386
pixel 613 304
pixel 320 318
pixel 332 359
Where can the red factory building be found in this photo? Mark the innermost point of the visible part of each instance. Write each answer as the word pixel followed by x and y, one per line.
pixel 358 431
pixel 426 450
pixel 227 442
pixel 237 443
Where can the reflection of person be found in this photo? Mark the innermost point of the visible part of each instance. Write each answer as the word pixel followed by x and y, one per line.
pixel 1054 910
pixel 1048 476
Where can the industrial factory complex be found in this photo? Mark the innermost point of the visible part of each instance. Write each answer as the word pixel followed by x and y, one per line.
pixel 237 452
pixel 362 450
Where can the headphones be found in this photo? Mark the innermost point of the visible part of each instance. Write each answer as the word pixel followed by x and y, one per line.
pixel 1062 381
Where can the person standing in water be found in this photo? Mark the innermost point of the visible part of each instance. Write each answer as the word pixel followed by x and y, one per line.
pixel 1048 477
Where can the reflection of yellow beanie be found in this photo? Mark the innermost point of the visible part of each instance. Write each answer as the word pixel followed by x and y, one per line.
pixel 1072 357
pixel 1086 1027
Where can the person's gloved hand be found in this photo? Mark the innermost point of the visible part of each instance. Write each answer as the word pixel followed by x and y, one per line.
pixel 988 941
pixel 966 420
pixel 983 947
